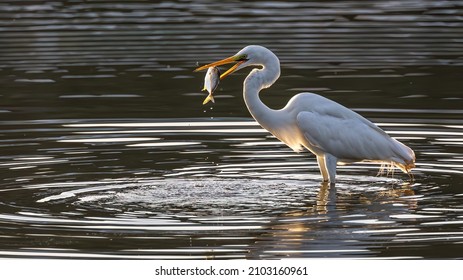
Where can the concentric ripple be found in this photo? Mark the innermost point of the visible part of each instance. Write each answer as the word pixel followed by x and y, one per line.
pixel 219 194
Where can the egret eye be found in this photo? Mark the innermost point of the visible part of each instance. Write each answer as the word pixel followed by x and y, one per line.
pixel 243 57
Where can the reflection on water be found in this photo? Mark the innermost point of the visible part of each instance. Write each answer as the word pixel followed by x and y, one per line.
pixel 216 194
pixel 107 152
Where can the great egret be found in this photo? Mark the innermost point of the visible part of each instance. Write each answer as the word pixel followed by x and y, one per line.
pixel 334 133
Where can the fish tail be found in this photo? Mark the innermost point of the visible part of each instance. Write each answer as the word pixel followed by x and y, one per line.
pixel 209 98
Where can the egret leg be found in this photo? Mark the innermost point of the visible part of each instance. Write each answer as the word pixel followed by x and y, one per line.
pixel 331 162
pixel 323 169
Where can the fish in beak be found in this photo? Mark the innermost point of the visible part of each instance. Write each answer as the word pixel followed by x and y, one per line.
pixel 211 81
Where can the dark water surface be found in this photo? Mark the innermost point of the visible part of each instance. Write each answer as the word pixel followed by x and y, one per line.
pixel 107 152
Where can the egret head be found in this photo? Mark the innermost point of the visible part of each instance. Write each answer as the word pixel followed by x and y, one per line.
pixel 250 55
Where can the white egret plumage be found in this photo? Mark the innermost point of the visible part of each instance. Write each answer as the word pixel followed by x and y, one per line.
pixel 332 132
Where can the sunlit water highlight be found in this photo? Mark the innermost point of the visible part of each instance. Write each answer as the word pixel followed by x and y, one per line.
pixel 219 195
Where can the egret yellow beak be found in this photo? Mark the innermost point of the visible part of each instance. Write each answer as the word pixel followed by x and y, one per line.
pixel 238 59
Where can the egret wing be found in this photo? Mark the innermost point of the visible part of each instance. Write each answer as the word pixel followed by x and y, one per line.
pixel 344 134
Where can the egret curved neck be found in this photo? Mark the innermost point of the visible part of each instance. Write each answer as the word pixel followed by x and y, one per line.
pixel 257 80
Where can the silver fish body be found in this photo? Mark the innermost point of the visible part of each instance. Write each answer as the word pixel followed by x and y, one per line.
pixel 211 82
